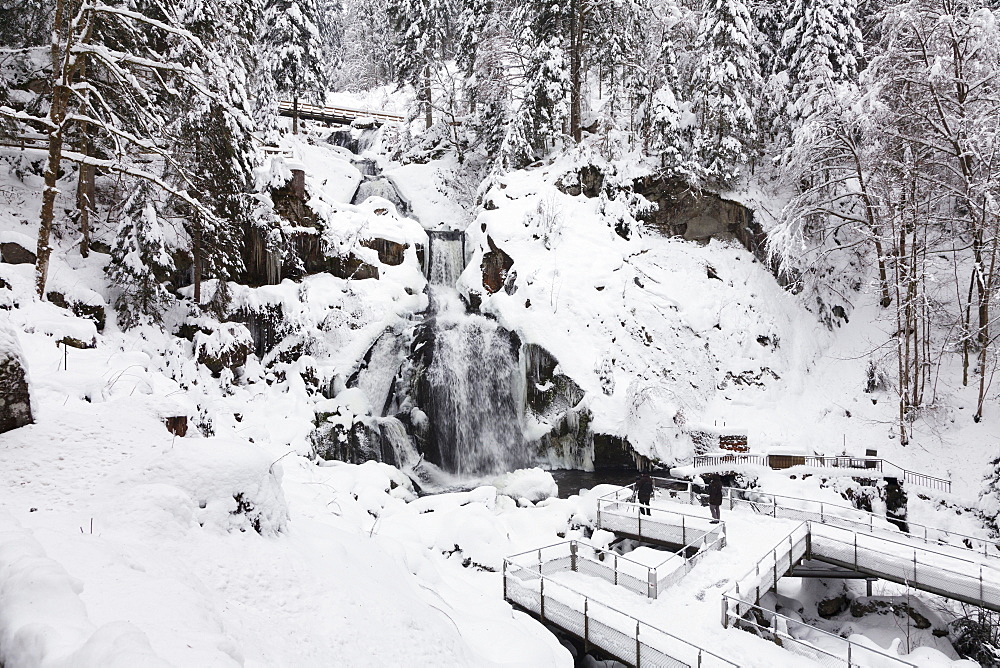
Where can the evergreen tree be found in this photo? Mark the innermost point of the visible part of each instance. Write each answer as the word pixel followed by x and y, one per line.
pixel 292 37
pixel 140 262
pixel 726 81
pixel 547 78
pixel 421 30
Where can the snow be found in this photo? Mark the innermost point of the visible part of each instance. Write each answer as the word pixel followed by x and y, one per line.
pixel 531 484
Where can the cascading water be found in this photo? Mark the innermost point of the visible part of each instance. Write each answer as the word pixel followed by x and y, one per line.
pixel 471 387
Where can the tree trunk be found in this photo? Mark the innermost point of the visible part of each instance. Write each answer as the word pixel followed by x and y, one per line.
pixel 295 115
pixel 56 116
pixel 576 70
pixel 196 260
pixel 428 112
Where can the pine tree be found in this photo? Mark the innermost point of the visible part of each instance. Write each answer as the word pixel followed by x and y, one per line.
pixel 726 82
pixel 140 262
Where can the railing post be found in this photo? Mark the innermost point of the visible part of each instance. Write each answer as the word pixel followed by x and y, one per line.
pixel 637 645
pixel 690 493
pixel 640 521
pixel 616 568
pixel 809 540
pixel 848 654
pixel 651 583
pixel 981 599
pixel 683 531
pixel 541 598
pixel 821 512
pixel 586 625
pixel 599 514
pixel 856 550
pixel 774 554
pixel 572 556
pixel 730 493
pixel 725 612
pixel 505 579
pixel 914 565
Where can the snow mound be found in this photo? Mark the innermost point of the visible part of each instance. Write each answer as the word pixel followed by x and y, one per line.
pixel 223 484
pixel 532 484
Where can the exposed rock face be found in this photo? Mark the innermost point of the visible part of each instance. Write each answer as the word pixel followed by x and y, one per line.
pixel 588 181
pixel 380 186
pixel 613 452
pixel 266 325
pixel 226 348
pixel 696 216
pixel 177 425
pixel 496 264
pixel 390 253
pixel 897 606
pixel 15 399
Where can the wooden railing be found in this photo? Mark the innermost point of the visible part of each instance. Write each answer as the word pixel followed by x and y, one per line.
pixel 336 113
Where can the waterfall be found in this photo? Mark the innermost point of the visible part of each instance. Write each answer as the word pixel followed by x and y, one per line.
pixel 397 448
pixel 446 257
pixel 380 186
pixel 378 371
pixel 470 390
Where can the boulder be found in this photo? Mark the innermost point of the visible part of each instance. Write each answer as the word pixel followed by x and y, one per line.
pixel 93 312
pixel 225 348
pixel 16 249
pixel 15 398
pixel 831 607
pixel 495 266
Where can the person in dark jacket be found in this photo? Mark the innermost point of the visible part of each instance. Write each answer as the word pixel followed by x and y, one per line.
pixel 715 497
pixel 644 490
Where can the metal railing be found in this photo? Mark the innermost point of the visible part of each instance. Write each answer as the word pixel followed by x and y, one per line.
pixel 617 633
pixel 617 513
pixel 775 564
pixel 883 467
pixel 796 636
pixel 644 579
pixel 941 573
pixel 790 507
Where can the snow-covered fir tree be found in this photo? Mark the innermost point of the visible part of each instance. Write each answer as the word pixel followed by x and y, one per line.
pixel 725 86
pixel 140 261
pixel 295 50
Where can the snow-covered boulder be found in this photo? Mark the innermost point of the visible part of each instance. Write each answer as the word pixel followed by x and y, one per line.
pixel 15 400
pixel 227 347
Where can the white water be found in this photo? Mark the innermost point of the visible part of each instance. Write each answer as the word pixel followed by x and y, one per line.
pixel 397 441
pixel 474 376
pixel 376 378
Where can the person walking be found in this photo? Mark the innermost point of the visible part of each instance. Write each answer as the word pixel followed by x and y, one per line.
pixel 644 490
pixel 715 497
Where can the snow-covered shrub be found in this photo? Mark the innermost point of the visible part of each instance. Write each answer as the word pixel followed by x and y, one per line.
pixel 977 639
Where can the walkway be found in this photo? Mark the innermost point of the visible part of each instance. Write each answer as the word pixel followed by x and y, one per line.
pixel 338 115
pixel 598 596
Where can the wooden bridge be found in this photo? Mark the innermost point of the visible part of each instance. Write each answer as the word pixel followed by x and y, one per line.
pixel 337 115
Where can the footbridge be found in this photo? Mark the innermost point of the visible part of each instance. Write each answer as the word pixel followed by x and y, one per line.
pixel 593 594
pixel 336 114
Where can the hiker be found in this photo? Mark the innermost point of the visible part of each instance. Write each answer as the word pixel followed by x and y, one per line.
pixel 644 490
pixel 715 497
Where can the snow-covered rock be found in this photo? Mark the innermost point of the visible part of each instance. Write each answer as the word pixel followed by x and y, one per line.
pixel 15 397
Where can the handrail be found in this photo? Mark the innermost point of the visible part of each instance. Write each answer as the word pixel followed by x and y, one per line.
pixel 788 638
pixel 589 602
pixel 823 505
pixel 334 110
pixel 821 461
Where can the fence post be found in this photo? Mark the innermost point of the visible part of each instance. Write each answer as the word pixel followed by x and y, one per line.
pixel 572 556
pixel 651 582
pixel 541 598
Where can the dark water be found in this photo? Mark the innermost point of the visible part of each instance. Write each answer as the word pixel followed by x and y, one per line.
pixel 571 481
